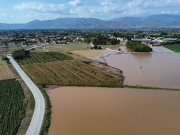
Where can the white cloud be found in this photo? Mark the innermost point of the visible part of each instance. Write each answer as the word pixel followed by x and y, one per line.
pixel 75 2
pixel 103 9
pixel 36 6
pixel 3 15
pixel 169 12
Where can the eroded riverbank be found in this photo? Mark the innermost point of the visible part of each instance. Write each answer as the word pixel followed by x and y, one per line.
pixel 105 111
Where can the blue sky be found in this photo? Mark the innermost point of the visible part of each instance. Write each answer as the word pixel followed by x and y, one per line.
pixel 22 11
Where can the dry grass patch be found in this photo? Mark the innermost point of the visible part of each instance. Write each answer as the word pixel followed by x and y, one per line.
pixel 73 47
pixel 63 48
pixel 5 72
pixel 88 53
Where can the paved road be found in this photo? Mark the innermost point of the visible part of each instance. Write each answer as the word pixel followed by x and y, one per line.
pixel 37 119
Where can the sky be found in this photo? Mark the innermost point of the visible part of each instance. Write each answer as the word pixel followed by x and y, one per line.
pixel 23 11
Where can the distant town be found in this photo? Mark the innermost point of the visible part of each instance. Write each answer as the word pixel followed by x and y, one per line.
pixel 22 38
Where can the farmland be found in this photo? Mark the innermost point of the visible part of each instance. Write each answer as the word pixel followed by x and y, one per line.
pixel 12 106
pixel 173 47
pixel 70 73
pixel 5 72
pixel 44 57
pixel 53 68
pixel 63 48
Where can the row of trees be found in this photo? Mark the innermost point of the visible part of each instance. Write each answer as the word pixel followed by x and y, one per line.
pixel 103 40
pixel 136 46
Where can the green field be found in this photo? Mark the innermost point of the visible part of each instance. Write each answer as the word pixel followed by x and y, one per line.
pixel 12 106
pixel 43 57
pixel 173 47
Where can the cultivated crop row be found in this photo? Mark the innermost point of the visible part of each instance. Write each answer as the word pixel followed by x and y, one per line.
pixel 71 73
pixel 12 106
pixel 42 57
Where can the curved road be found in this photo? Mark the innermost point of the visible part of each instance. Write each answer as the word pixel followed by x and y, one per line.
pixel 38 115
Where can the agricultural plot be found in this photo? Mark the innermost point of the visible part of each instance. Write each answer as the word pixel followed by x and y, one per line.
pixel 173 47
pixel 43 57
pixel 12 106
pixel 71 73
pixel 63 48
pixel 5 72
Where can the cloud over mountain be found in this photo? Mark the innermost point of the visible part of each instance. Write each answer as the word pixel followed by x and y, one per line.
pixel 24 11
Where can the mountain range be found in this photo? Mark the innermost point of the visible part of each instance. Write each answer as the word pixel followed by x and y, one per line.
pixel 153 21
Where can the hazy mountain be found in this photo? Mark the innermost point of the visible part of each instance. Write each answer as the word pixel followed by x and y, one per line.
pixel 165 17
pixel 128 19
pixel 153 21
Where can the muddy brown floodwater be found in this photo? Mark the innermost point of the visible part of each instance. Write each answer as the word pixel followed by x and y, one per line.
pixel 148 69
pixel 114 111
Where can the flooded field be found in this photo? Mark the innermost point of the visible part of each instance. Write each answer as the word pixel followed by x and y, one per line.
pixel 114 111
pixel 148 69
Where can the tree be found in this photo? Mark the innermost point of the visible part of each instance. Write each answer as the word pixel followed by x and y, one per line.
pixel 21 54
pixel 88 40
pixel 114 41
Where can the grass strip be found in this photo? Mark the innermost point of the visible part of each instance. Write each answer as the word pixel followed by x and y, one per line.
pixel 147 87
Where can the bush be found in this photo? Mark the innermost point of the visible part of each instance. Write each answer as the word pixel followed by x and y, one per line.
pixel 4 57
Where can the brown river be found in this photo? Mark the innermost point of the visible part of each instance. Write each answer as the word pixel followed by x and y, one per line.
pixel 148 69
pixel 114 111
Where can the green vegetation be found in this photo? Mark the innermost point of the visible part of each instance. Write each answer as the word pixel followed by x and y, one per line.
pixel 96 47
pixel 147 87
pixel 47 117
pixel 173 47
pixel 104 40
pixel 138 47
pixel 43 57
pixel 12 106
pixel 21 54
pixel 4 57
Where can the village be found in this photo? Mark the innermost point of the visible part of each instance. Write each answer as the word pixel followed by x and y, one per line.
pixel 22 38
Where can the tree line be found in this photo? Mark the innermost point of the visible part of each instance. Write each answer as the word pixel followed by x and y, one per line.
pixel 102 40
